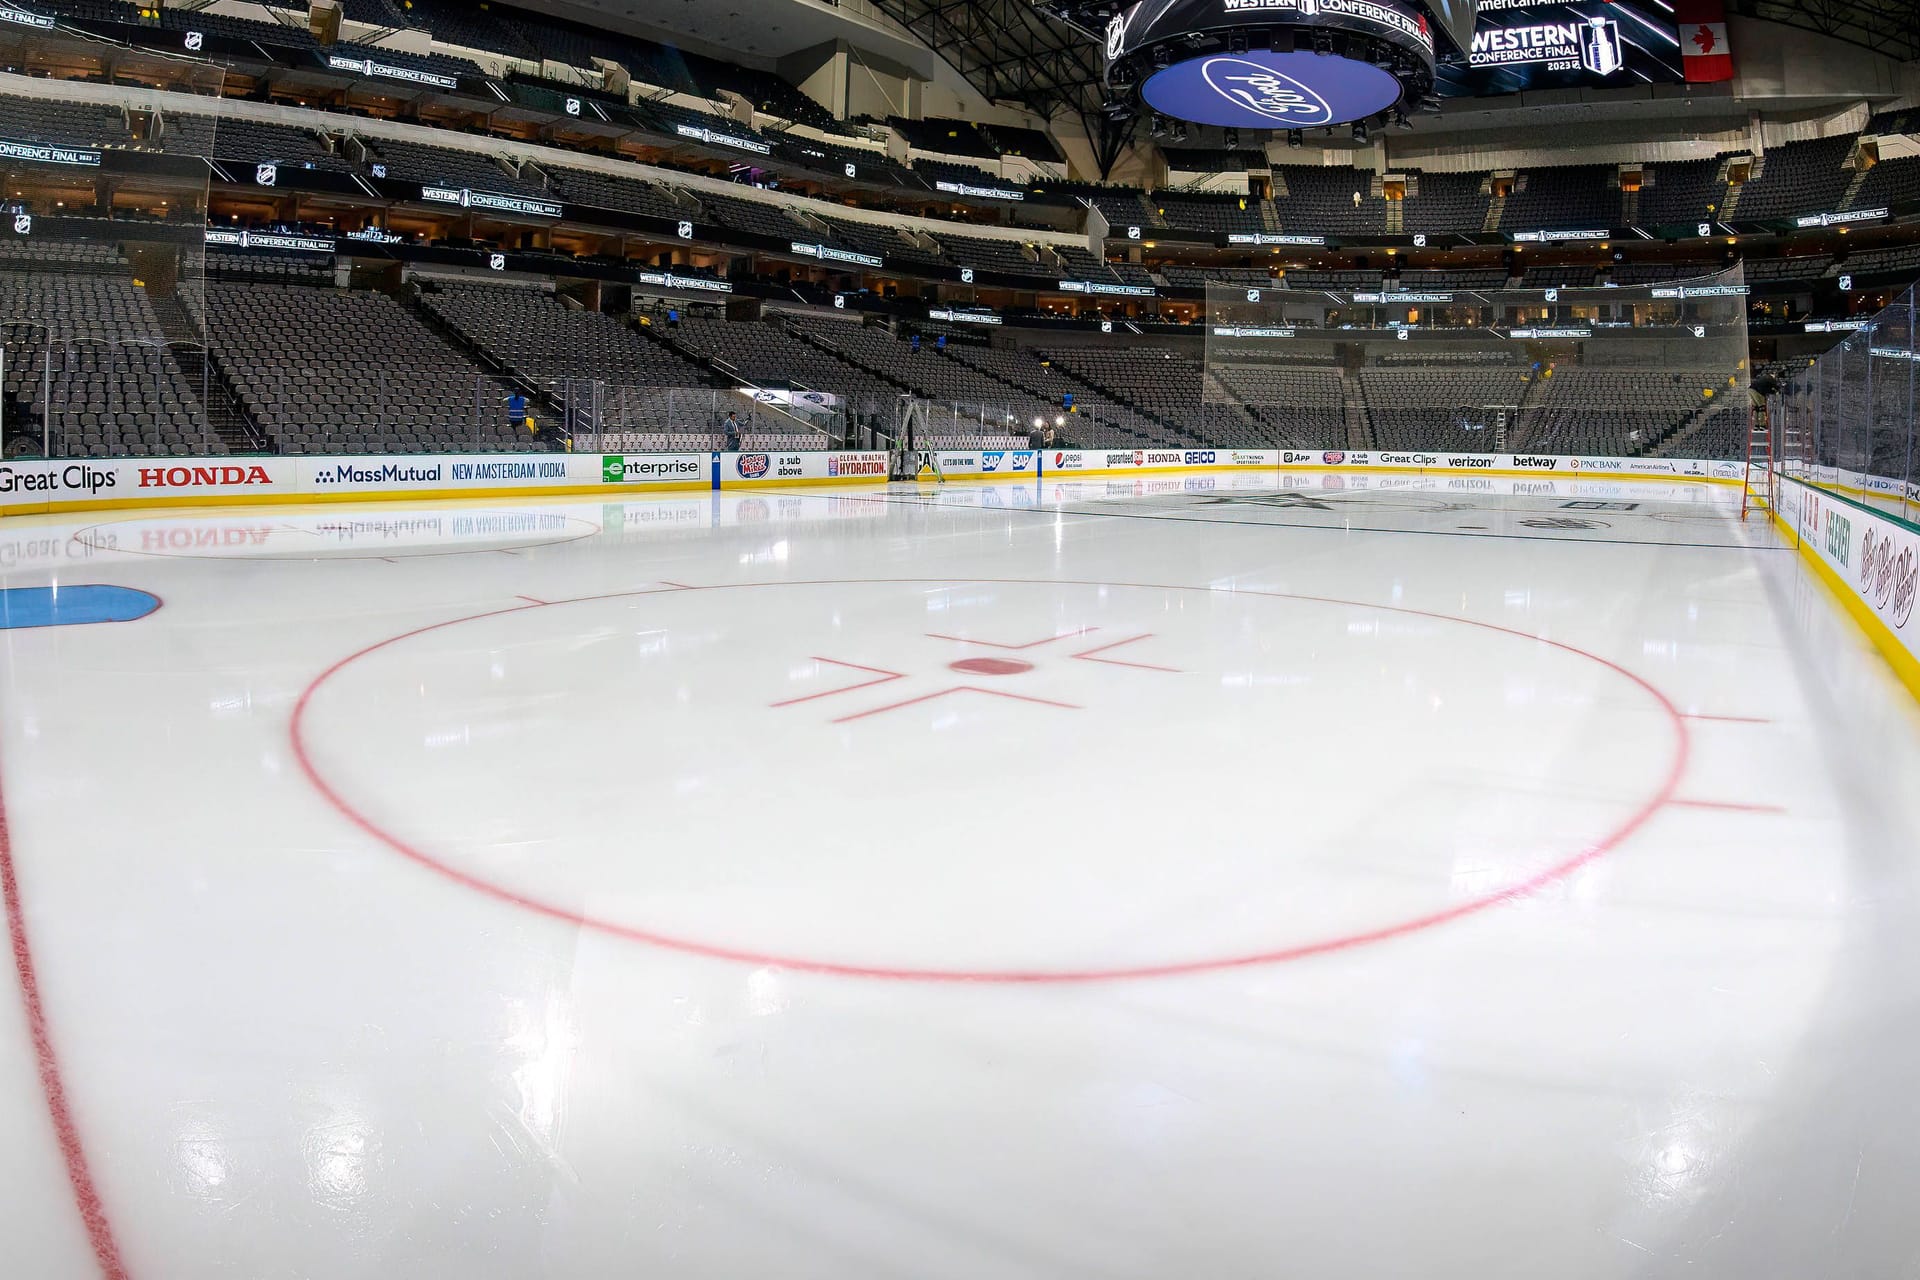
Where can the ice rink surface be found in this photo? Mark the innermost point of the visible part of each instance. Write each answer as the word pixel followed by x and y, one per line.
pixel 1361 876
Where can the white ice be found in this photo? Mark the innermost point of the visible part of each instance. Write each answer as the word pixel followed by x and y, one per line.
pixel 1422 879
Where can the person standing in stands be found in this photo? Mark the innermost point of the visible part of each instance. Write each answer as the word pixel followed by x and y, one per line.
pixel 732 428
pixel 516 413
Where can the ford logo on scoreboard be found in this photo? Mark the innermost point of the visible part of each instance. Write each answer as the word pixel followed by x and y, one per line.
pixel 1265 90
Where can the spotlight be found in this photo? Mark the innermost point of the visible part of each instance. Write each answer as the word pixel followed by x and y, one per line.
pixel 1162 57
pixel 1179 131
pixel 1400 120
pixel 1237 41
pixel 1233 139
pixel 1323 42
pixel 1296 139
pixel 1157 125
pixel 1360 132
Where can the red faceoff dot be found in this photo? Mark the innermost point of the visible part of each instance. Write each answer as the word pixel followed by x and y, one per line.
pixel 990 666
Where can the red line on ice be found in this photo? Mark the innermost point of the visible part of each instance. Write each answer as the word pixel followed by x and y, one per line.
pixel 86 1196
pixel 884 675
pixel 1087 656
pixel 1733 806
pixel 1661 796
pixel 959 688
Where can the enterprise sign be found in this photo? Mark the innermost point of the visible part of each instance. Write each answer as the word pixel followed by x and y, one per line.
pixel 1839 219
pixel 1273 237
pixel 46 153
pixel 1552 237
pixel 700 133
pixel 965 317
pixel 673 281
pixel 469 199
pixel 1102 286
pixel 21 17
pixel 1701 291
pixel 269 240
pixel 979 193
pixel 412 75
pixel 827 253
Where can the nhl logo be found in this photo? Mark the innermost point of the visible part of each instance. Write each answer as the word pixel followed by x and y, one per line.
pixel 1704 229
pixel 22 224
pixel 684 230
pixel 1699 330
pixel 1400 335
pixel 497 261
pixel 1133 233
pixel 1106 326
pixel 195 41
pixel 1116 36
pixel 966 275
pixel 1253 295
pixel 847 169
pixel 840 301
pixel 1553 295
pixel 266 175
pixel 1846 284
pixel 573 106
pixel 1420 240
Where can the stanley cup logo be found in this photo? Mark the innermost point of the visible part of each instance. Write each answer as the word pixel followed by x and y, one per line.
pixel 1600 50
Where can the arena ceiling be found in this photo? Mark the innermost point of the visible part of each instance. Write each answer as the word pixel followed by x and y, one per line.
pixel 1044 54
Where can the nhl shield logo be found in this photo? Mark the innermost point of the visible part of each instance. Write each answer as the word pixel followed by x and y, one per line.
pixel 847 169
pixel 1253 295
pixel 497 261
pixel 573 106
pixel 966 275
pixel 1133 233
pixel 22 224
pixel 1420 240
pixel 1553 295
pixel 195 41
pixel 684 231
pixel 266 175
pixel 1106 326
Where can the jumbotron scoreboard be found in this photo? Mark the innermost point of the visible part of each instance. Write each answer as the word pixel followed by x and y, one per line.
pixel 1302 64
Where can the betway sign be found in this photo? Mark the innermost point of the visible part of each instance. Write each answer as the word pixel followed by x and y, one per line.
pixel 469 199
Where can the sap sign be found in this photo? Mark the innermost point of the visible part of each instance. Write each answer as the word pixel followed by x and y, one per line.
pixel 1265 90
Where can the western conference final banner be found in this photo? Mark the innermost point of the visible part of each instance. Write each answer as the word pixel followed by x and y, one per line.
pixel 1521 44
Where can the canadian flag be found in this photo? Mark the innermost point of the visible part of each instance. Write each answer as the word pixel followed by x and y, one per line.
pixel 1705 54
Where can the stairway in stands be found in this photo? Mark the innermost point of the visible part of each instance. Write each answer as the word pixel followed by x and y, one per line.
pixel 228 418
pixel 1354 406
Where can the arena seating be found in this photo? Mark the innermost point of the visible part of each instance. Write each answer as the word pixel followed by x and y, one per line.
pixel 1218 215
pixel 1433 408
pixel 326 371
pixel 1807 267
pixel 1095 418
pixel 1681 191
pixel 1585 195
pixel 1800 177
pixel 447 167
pixel 1167 386
pixel 1465 278
pixel 86 359
pixel 1447 202
pixel 967 403
pixel 1889 183
pixel 1299 405
pixel 69 124
pixel 1613 411
pixel 1321 198
pixel 629 195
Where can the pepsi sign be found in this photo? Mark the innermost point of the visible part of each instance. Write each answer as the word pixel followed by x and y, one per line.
pixel 1265 90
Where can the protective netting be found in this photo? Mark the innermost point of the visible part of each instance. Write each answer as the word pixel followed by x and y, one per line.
pixel 1848 418
pixel 1648 369
pixel 103 265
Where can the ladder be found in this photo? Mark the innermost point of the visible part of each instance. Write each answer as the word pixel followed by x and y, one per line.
pixel 1759 456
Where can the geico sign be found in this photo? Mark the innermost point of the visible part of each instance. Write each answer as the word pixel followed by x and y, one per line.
pixel 1198 457
pixel 187 477
pixel 79 478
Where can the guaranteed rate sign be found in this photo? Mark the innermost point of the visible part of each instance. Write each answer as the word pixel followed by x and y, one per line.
pixel 1261 89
